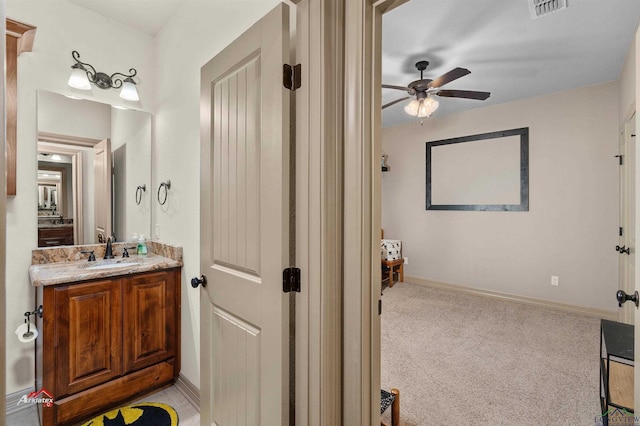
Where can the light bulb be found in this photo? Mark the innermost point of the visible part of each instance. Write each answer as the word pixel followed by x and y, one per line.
pixel 129 91
pixel 79 79
pixel 412 107
pixel 427 107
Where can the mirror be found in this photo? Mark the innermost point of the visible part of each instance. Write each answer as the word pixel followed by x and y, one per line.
pixel 93 161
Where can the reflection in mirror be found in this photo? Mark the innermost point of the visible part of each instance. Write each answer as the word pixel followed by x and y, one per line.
pixel 81 191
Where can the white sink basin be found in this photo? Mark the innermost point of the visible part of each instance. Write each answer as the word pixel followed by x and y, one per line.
pixel 106 264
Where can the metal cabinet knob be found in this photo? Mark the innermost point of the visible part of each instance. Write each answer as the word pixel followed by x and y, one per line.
pixel 195 281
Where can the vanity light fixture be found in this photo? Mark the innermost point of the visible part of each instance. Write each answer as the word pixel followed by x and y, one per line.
pixel 83 74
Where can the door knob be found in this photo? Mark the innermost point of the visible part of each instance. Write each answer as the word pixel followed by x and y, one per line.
pixel 195 281
pixel 623 297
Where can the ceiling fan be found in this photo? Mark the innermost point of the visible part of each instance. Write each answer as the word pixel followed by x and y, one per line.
pixel 424 104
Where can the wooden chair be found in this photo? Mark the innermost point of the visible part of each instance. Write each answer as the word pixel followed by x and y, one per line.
pixel 391 399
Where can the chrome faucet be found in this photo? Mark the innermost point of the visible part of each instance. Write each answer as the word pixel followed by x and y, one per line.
pixel 108 253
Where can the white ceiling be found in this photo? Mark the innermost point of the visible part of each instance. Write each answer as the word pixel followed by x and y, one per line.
pixel 508 53
pixel 148 16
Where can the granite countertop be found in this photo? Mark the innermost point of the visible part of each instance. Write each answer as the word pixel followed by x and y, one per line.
pixel 67 264
pixel 69 272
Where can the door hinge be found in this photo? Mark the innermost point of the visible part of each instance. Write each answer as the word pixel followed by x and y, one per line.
pixel 291 280
pixel 621 233
pixel 379 306
pixel 619 157
pixel 292 76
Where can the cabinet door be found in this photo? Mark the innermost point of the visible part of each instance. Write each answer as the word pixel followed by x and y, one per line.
pixel 150 322
pixel 89 335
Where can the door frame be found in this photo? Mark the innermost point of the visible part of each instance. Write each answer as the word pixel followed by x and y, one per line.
pixel 625 314
pixel 75 152
pixel 337 362
pixel 338 210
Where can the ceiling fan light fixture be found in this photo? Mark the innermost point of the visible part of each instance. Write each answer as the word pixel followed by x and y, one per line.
pixel 412 107
pixel 427 107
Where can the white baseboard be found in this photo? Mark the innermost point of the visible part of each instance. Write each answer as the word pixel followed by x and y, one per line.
pixel 594 312
pixel 189 391
pixel 12 401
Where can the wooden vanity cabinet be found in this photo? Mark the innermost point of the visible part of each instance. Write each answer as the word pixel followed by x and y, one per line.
pixel 106 342
pixel 53 237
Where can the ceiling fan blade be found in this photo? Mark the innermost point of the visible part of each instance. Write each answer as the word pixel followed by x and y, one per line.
pixel 395 102
pixel 467 94
pixel 454 74
pixel 403 88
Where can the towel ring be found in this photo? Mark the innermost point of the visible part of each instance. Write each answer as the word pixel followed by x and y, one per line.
pixel 139 191
pixel 167 186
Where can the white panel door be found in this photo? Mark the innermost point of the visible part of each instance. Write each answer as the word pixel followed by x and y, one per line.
pixel 102 190
pixel 244 238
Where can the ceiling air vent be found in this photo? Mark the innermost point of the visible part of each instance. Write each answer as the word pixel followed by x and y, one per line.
pixel 540 8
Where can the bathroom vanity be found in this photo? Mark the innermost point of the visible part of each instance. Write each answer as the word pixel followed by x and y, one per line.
pixel 55 235
pixel 110 330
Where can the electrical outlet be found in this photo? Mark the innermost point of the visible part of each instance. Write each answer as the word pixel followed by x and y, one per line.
pixel 406 260
pixel 554 280
pixel 157 230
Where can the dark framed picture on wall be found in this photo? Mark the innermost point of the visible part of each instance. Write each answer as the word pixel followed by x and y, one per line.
pixel 483 172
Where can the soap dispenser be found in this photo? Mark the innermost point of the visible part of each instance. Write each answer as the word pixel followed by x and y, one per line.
pixel 142 246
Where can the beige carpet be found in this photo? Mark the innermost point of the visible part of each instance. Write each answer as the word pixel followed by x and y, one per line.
pixel 461 359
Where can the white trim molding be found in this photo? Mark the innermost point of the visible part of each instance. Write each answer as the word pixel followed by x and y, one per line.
pixel 12 400
pixel 189 391
pixel 593 312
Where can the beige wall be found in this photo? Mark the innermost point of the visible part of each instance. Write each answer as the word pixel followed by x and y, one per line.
pixel 571 227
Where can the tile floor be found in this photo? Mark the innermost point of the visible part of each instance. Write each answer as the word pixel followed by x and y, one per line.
pixel 188 415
